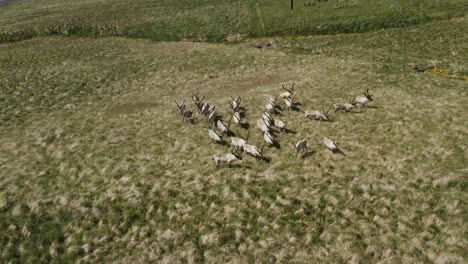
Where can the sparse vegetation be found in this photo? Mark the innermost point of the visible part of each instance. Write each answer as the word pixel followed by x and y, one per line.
pixel 97 165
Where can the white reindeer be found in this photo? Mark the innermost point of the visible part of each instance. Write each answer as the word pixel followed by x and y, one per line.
pixel 239 142
pixel 223 127
pixel 348 107
pixel 288 101
pixel 279 124
pixel 228 158
pixel 262 125
pixel 197 100
pixel 300 145
pixel 271 104
pixel 187 115
pixel 235 103
pixel 215 136
pixel 288 93
pixel 236 118
pixel 268 138
pixel 253 151
pixel 212 116
pixel 266 117
pixel 364 100
pixel 317 115
pixel 330 144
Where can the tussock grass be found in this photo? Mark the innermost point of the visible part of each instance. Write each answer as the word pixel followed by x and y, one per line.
pixel 97 166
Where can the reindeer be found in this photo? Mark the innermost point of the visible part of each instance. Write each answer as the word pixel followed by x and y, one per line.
pixel 196 99
pixel 237 118
pixel 235 103
pixel 223 127
pixel 279 124
pixel 212 116
pixel 185 111
pixel 330 144
pixel 215 136
pixel 348 107
pixel 268 138
pixel 300 145
pixel 271 104
pixel 364 100
pixel 263 126
pixel 253 151
pixel 239 142
pixel 228 158
pixel 288 93
pixel 317 115
pixel 288 101
pixel 266 117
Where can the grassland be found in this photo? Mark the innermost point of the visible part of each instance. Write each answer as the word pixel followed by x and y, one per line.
pixel 211 20
pixel 96 165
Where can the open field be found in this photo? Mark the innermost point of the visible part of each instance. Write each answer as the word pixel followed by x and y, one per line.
pixel 97 166
pixel 212 20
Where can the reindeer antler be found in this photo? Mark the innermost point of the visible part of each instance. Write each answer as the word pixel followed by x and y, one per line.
pixel 284 88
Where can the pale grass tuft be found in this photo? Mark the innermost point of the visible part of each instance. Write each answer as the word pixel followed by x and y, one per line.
pixel 209 239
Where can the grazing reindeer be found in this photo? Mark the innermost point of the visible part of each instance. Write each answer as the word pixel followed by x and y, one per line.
pixel 317 115
pixel 239 142
pixel 237 118
pixel 364 100
pixel 279 124
pixel 271 104
pixel 348 107
pixel 235 103
pixel 196 99
pixel 330 144
pixel 185 111
pixel 223 127
pixel 262 125
pixel 268 138
pixel 212 116
pixel 206 108
pixel 253 151
pixel 228 158
pixel 215 136
pixel 300 145
pixel 288 93
pixel 266 117
pixel 288 101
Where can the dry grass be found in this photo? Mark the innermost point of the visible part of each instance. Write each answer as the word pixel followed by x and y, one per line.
pixel 97 166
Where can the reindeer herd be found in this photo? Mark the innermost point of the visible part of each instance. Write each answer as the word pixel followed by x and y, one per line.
pixel 268 124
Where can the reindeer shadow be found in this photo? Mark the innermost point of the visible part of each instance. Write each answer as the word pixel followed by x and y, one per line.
pixel 276 145
pixel 308 154
pixel 244 125
pixel 222 143
pixel 373 107
pixel 289 131
pixel 277 112
pixel 230 133
pixel 339 152
pixel 295 108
